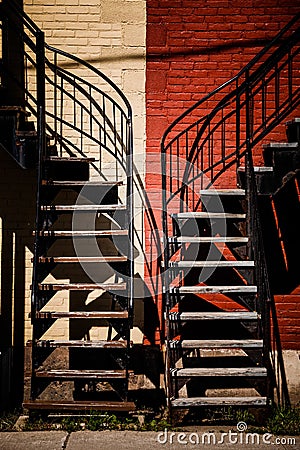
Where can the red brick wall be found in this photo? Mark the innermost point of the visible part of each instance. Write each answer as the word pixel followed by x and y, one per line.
pixel 288 312
pixel 193 46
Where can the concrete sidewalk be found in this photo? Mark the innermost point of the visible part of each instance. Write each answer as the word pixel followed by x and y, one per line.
pixel 200 437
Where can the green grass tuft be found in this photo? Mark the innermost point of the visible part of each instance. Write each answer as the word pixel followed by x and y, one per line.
pixel 284 421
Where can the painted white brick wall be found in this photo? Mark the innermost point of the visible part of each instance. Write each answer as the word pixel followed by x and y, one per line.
pixel 109 34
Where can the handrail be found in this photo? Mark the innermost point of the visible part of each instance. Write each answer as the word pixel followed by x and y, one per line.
pixel 244 70
pixel 193 132
pixel 93 69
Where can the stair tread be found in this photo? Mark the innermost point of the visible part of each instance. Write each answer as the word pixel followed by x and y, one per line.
pixel 208 215
pixel 69 158
pixel 222 315
pixel 81 314
pixel 86 259
pixel 257 169
pixel 83 233
pixel 14 108
pixel 208 239
pixel 280 145
pixel 294 120
pixel 80 183
pixel 217 343
pixel 80 343
pixel 213 289
pixel 220 192
pixel 80 286
pixel 80 373
pixel 215 401
pixel 207 263
pixel 78 405
pixel 91 207
pixel 26 133
pixel 219 371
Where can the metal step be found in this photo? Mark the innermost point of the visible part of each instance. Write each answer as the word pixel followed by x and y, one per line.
pixel 234 315
pixel 82 315
pixel 82 374
pixel 257 169
pixel 220 372
pixel 208 239
pixel 216 343
pixel 82 208
pixel 68 158
pixel 82 234
pixel 80 183
pixel 289 122
pixel 218 401
pixel 213 290
pixel 27 134
pixel 14 110
pixel 81 344
pixel 78 405
pixel 208 215
pixel 282 145
pixel 81 259
pixel 81 286
pixel 182 264
pixel 221 192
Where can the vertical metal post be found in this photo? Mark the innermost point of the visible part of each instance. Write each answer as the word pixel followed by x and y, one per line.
pixel 248 168
pixel 40 86
pixel 130 226
pixel 165 274
pixel 40 91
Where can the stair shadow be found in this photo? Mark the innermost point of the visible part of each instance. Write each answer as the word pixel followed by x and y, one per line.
pixel 280 218
pixel 18 189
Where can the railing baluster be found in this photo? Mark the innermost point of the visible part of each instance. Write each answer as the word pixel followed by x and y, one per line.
pixel 74 102
pixel 26 77
pixel 61 114
pixel 223 143
pixel 290 75
pixel 263 103
pixel 277 88
pixel 237 124
pixel 55 98
pixel 81 128
pixel 91 111
pixel 178 180
pixel 100 150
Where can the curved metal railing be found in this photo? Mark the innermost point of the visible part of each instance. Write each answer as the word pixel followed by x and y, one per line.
pixel 207 143
pixel 211 136
pixel 80 109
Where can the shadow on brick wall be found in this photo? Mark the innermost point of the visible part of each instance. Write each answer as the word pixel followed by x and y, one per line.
pixel 17 216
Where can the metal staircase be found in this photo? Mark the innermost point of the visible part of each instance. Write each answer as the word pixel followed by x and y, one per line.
pixel 222 335
pixel 80 139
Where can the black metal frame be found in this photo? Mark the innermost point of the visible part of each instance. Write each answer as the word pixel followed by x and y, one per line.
pixel 105 122
pixel 200 146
